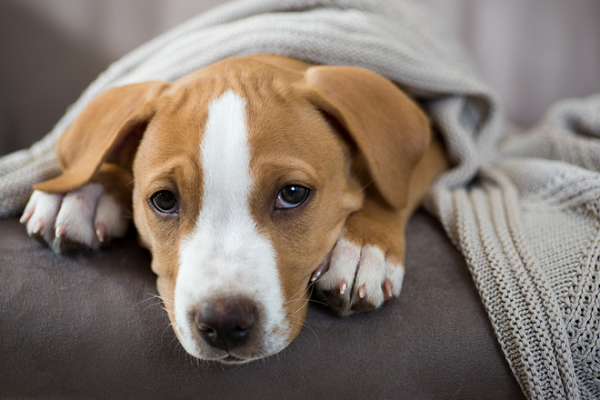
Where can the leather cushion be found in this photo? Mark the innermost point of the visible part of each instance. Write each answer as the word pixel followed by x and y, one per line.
pixel 88 325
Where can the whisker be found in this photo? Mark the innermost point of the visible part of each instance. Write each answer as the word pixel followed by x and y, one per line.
pixel 169 325
pixel 152 305
pixel 152 297
pixel 168 311
pixel 296 296
pixel 297 321
pixel 315 301
pixel 303 305
pixel 163 299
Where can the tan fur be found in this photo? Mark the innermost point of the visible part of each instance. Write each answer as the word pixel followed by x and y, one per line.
pixel 346 133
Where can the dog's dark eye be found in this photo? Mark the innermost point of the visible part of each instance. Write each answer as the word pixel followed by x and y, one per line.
pixel 165 201
pixel 291 196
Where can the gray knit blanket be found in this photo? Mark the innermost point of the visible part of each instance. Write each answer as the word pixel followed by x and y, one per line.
pixel 522 207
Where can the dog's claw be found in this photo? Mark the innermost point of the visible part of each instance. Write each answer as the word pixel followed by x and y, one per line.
pixel 101 232
pixel 388 290
pixel 315 275
pixel 362 303
pixel 60 231
pixel 336 296
pixel 38 227
pixel 343 286
pixel 26 216
pixel 362 292
pixel 319 271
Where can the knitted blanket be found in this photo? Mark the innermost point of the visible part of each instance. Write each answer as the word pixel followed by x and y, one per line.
pixel 522 207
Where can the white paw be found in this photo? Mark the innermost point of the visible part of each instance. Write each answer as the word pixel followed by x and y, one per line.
pixel 359 278
pixel 86 217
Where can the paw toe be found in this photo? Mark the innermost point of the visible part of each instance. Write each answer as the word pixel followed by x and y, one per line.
pixel 335 285
pixel 337 296
pixel 109 221
pixel 362 305
pixel 75 219
pixel 40 215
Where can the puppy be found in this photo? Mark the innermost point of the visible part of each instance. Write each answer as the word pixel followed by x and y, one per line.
pixel 251 182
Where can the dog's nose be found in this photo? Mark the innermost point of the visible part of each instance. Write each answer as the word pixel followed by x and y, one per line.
pixel 224 323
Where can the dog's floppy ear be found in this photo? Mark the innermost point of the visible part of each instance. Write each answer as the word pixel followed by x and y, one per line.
pixel 107 130
pixel 388 128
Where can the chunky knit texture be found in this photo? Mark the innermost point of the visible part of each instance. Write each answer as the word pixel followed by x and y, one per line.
pixel 523 207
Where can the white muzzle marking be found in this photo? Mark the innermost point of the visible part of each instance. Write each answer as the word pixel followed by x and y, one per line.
pixel 226 255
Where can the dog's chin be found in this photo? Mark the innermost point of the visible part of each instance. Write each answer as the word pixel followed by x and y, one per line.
pixel 233 360
pixel 230 359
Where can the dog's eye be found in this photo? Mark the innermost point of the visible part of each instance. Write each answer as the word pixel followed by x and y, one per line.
pixel 165 201
pixel 291 196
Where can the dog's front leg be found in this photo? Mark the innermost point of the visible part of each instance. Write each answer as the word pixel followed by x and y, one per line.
pixel 89 217
pixel 366 268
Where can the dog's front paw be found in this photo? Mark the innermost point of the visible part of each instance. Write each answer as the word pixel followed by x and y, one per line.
pixel 360 277
pixel 84 218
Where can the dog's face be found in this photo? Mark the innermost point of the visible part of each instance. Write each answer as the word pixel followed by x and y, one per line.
pixel 245 174
pixel 239 207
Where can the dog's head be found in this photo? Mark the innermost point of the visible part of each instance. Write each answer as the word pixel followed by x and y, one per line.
pixel 245 173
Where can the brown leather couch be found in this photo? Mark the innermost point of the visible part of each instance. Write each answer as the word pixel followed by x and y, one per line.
pixel 88 325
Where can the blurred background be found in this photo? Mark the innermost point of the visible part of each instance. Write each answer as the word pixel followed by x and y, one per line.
pixel 533 52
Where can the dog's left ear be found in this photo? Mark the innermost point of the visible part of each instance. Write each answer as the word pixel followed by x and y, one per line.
pixel 388 128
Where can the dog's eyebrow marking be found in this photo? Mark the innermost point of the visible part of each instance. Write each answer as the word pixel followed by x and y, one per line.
pixel 226 254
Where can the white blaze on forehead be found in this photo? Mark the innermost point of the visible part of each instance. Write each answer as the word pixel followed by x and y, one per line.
pixel 226 255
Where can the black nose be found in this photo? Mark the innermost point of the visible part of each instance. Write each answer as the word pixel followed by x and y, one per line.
pixel 224 323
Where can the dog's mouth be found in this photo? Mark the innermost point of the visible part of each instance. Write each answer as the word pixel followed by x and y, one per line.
pixel 230 359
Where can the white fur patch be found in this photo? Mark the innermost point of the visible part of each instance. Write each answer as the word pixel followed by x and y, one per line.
pixel 77 213
pixel 226 255
pixel 40 214
pixel 77 217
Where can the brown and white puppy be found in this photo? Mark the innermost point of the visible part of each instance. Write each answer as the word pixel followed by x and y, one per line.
pixel 251 180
